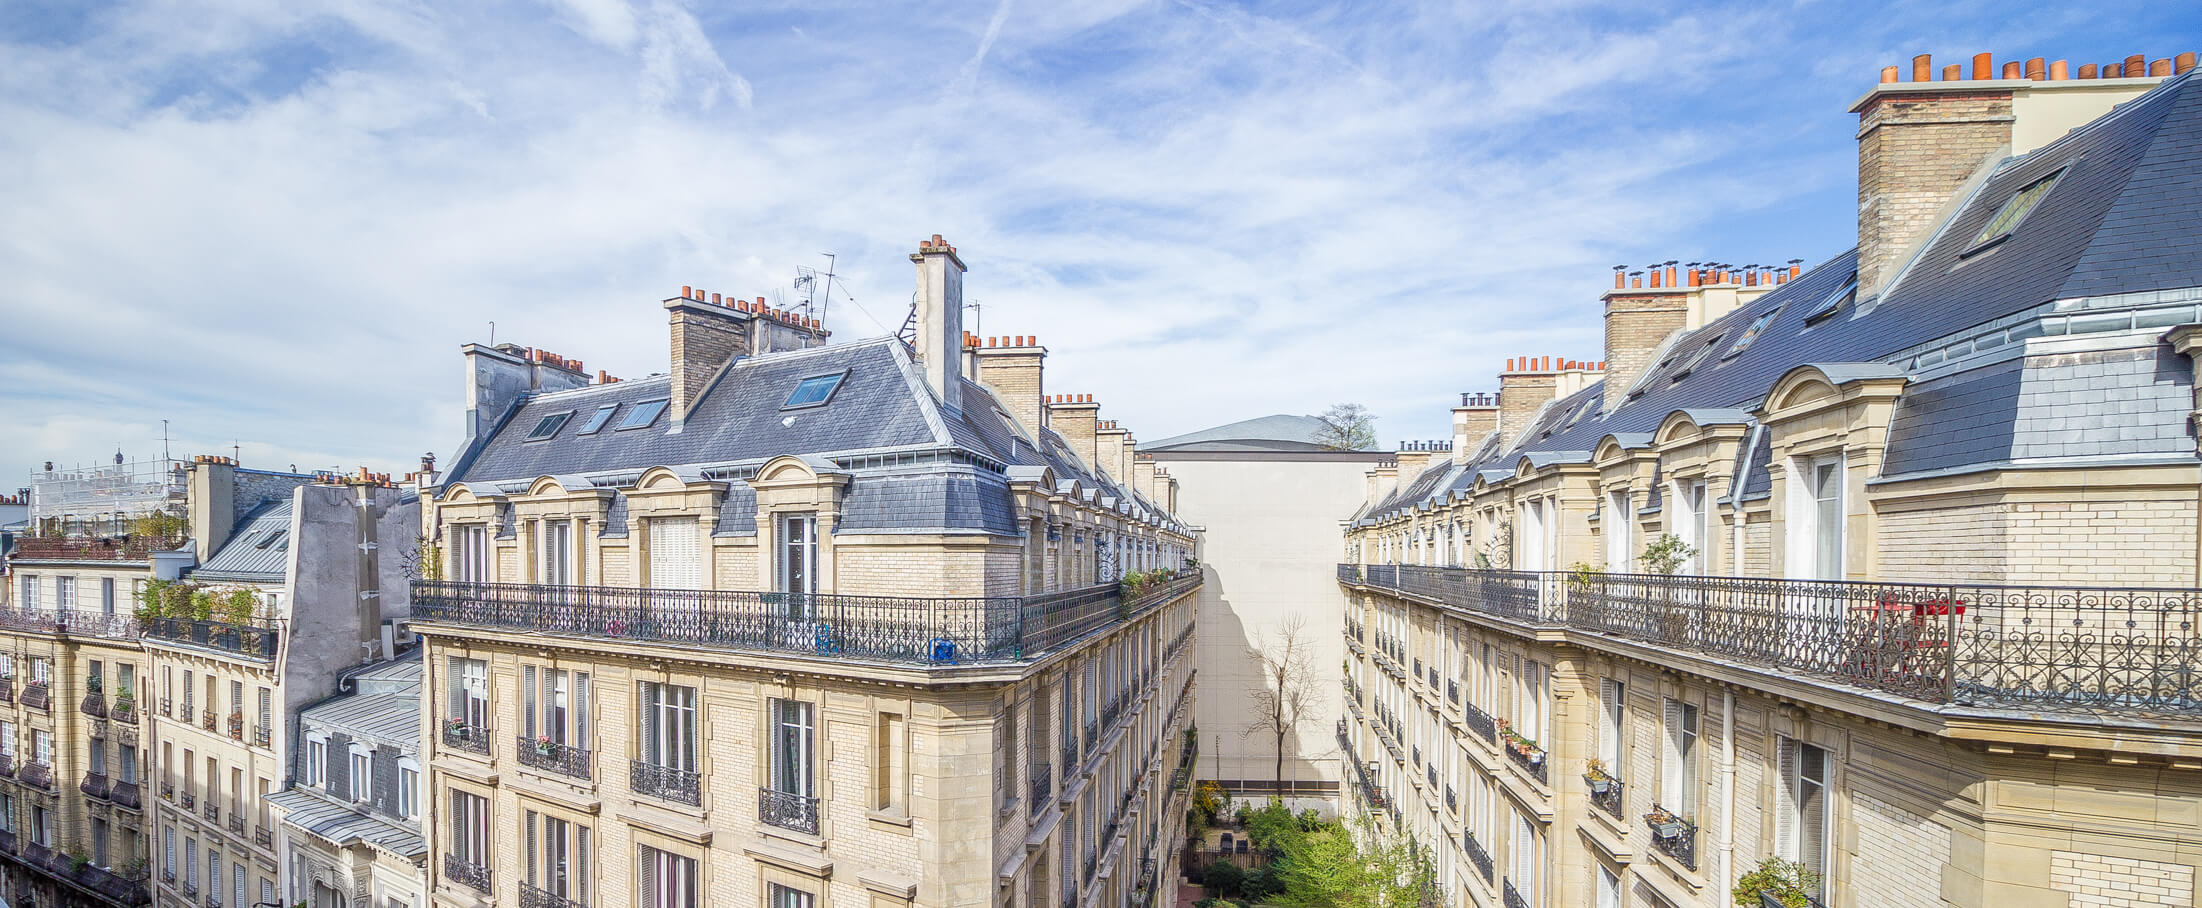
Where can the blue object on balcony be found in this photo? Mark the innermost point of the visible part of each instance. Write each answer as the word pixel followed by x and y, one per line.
pixel 822 638
pixel 943 650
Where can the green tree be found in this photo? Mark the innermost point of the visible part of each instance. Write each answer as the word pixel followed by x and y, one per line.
pixel 1334 867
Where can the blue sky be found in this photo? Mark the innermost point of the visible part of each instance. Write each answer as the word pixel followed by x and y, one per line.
pixel 273 222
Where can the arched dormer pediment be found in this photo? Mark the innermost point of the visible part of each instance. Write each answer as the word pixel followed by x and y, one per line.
pixel 555 485
pixel 1619 446
pixel 460 493
pixel 1815 385
pixel 667 479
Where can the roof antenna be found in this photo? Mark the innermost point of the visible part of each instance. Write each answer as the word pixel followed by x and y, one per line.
pixel 978 316
pixel 493 335
pixel 164 440
pixel 815 300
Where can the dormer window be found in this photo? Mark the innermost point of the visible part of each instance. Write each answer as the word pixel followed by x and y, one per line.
pixel 1751 333
pixel 549 426
pixel 1697 359
pixel 814 391
pixel 2007 218
pixel 642 415
pixel 603 415
pixel 1843 296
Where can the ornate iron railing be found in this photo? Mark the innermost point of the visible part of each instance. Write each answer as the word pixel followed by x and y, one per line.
pixel 665 782
pixel 1528 756
pixel 563 759
pixel 93 704
pixel 2085 649
pixel 466 873
pixel 236 823
pixel 92 548
pixel 1043 787
pixel 94 785
pixel 788 810
pixel 262 837
pixel 458 735
pixel 1452 691
pixel 1476 855
pixel 36 775
pixel 245 640
pixel 1510 896
pixel 1452 804
pixel 38 695
pixel 1673 836
pixel 1479 722
pixel 531 897
pixel 925 631
pixel 1605 793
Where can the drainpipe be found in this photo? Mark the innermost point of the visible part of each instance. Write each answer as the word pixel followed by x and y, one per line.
pixel 1727 844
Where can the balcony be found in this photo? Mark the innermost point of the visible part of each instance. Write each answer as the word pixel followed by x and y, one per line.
pixel 551 756
pixel 236 824
pixel 94 704
pixel 1480 722
pixel 189 801
pixel 36 775
pixel 261 735
pixel 1511 897
pixel 236 726
pixel 1605 792
pixel 1070 752
pixel 211 811
pixel 1452 691
pixel 466 873
pixel 94 785
pixel 2086 650
pixel 86 548
pixel 788 810
pixel 81 878
pixel 666 783
pixel 1476 855
pixel 251 642
pixel 1043 786
pixel 7 766
pixel 207 721
pixel 458 735
pixel 125 711
pixel 531 897
pixel 126 794
pixel 38 695
pixel 262 837
pixel 1672 835
pixel 7 690
pixel 1525 754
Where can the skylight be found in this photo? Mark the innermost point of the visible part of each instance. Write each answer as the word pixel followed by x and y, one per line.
pixel 642 415
pixel 814 391
pixel 1751 333
pixel 603 415
pixel 549 426
pixel 2014 210
pixel 1848 293
pixel 1697 358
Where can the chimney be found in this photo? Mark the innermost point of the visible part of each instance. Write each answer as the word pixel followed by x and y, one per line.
pixel 940 319
pixel 1920 142
pixel 498 376
pixel 1143 479
pixel 1112 442
pixel 1412 461
pixel 1477 416
pixel 706 338
pixel 1014 371
pixel 1523 387
pixel 1073 416
pixel 1636 324
pixel 211 502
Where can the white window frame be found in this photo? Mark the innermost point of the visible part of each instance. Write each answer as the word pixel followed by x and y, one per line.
pixel 409 788
pixel 1811 555
pixel 360 773
pixel 1620 554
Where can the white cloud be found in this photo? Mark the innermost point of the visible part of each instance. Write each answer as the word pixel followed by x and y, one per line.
pixel 276 222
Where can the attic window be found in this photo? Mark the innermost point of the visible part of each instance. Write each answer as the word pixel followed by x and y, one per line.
pixel 642 415
pixel 814 391
pixel 1833 302
pixel 549 426
pixel 268 538
pixel 1751 333
pixel 1697 358
pixel 2007 218
pixel 603 415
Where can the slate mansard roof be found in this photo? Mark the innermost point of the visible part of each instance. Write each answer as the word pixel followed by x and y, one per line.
pixel 258 551
pixel 913 464
pixel 384 714
pixel 2106 261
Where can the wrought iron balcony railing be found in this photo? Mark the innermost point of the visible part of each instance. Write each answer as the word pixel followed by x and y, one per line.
pixel 2080 649
pixel 256 643
pixel 1510 896
pixel 1043 788
pixel 467 873
pixel 1476 855
pixel 531 897
pixel 262 837
pixel 458 735
pixel 38 695
pixel 563 759
pixel 665 782
pixel 92 548
pixel 1605 793
pixel 1480 722
pixel 36 775
pixel 1526 754
pixel 1673 835
pixel 788 810
pixel 924 631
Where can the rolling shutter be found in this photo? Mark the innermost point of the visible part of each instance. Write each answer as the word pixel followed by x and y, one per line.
pixel 676 561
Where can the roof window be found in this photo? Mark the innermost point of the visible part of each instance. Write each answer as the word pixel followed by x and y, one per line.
pixel 1751 333
pixel 1848 293
pixel 549 426
pixel 814 391
pixel 642 415
pixel 1698 358
pixel 603 415
pixel 2007 218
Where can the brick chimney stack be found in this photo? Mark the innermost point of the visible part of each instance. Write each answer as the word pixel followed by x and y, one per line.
pixel 1074 416
pixel 1637 322
pixel 705 337
pixel 1527 384
pixel 940 319
pixel 1014 369
pixel 1476 417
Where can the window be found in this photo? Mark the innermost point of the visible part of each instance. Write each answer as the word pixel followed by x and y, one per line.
pixel 470 553
pixel 362 774
pixel 597 420
pixel 190 690
pixel 470 828
pixel 30 592
pixel 642 415
pixel 1526 867
pixel 555 705
pixel 1801 823
pixel 107 596
pixel 1829 305
pixel 2007 218
pixel 1815 543
pixel 1619 519
pixel 99 842
pixel 669 725
pixel 1751 332
pixel 813 391
pixel 1678 771
pixel 96 755
pixel 798 561
pixel 1609 888
pixel 317 762
pixel 237 880
pixel 668 879
pixel 792 728
pixel 558 857
pixel 1697 359
pixel 128 770
pixel 783 897
pixel 470 697
pixel 409 789
pixel 557 561
pixel 168 852
pixel 267 714
pixel 1531 694
pixel 7 740
pixel 64 593
pixel 548 426
pixel 42 746
pixel 889 763
pixel 1613 725
pixel 191 864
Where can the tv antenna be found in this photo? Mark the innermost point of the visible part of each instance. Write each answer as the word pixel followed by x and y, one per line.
pixel 817 293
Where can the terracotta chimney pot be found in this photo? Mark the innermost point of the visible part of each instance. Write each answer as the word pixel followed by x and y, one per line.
pixel 2059 70
pixel 2013 70
pixel 2037 69
pixel 1984 66
pixel 2136 66
pixel 1922 68
pixel 1888 74
pixel 2087 71
pixel 2180 64
pixel 2159 67
pixel 1953 73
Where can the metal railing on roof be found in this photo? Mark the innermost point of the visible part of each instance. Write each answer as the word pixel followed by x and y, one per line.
pixel 2135 650
pixel 916 630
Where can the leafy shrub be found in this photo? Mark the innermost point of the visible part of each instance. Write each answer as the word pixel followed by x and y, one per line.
pixel 1223 878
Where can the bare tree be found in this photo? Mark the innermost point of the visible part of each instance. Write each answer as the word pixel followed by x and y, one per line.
pixel 1288 691
pixel 1346 427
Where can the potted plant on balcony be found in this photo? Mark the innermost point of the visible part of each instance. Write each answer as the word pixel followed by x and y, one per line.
pixel 1664 556
pixel 1597 778
pixel 457 728
pixel 544 746
pixel 1776 883
pixel 1666 824
pixel 1518 744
